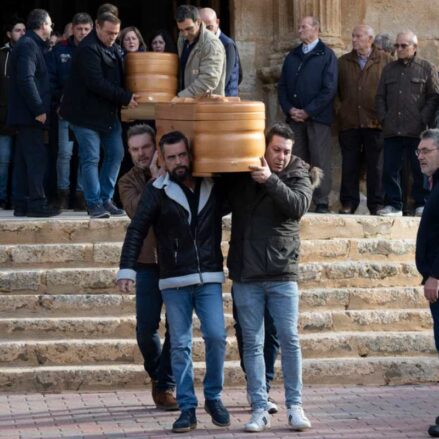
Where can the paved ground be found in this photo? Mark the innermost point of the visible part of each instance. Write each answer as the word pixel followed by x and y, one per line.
pixel 336 413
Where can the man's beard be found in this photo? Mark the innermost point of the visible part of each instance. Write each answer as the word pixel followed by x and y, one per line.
pixel 181 176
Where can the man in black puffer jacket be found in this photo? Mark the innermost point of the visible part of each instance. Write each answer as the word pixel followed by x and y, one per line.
pixel 263 264
pixel 186 214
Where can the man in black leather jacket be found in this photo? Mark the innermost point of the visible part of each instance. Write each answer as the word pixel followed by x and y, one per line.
pixel 186 214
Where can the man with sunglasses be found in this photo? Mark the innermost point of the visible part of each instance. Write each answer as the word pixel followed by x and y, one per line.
pixel 427 249
pixel 406 101
pixel 202 56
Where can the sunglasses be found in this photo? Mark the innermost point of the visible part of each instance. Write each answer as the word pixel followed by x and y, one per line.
pixel 402 46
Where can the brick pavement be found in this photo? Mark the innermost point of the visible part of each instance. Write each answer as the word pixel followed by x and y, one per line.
pixel 336 413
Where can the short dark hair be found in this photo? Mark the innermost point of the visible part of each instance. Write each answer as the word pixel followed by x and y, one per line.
pixel 36 18
pixel 107 16
pixel 141 128
pixel 279 129
pixel 108 7
pixel 81 18
pixel 171 138
pixel 12 22
pixel 185 12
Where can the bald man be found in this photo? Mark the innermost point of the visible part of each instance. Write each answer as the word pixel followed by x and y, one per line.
pixel 233 65
pixel 360 132
pixel 406 102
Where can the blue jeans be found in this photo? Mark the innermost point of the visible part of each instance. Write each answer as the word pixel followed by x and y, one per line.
pixel 99 187
pixel 282 302
pixel 394 148
pixel 271 344
pixel 157 361
pixel 65 152
pixel 5 161
pixel 207 302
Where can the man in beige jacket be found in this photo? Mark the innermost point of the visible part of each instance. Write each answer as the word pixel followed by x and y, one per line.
pixel 202 56
pixel 157 361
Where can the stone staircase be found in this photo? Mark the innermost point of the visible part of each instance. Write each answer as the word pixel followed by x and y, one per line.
pixel 64 325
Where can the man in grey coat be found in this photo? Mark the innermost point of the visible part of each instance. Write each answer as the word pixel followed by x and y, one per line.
pixel 202 56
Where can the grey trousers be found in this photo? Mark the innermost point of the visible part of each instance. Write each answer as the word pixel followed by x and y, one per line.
pixel 313 145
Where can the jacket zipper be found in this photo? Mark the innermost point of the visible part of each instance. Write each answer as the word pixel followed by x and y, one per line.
pixel 198 257
pixel 175 250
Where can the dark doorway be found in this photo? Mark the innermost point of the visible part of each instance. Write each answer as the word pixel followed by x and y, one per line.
pixel 146 15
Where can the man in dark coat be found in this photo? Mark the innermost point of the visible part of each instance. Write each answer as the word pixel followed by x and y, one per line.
pixel 59 62
pixel 262 262
pixel 28 107
pixel 233 64
pixel 427 241
pixel 93 96
pixel 306 89
pixel 14 31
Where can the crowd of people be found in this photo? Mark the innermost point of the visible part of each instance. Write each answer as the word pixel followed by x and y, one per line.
pixel 172 249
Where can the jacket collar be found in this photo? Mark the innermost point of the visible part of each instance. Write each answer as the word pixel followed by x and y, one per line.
pixel 175 192
pixel 353 56
pixel 320 49
pixel 43 44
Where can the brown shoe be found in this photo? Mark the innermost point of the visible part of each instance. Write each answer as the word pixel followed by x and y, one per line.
pixel 164 399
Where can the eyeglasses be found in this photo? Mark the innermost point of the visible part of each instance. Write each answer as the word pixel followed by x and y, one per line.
pixel 424 151
pixel 402 46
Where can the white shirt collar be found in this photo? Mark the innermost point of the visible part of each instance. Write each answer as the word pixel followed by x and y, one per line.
pixel 306 48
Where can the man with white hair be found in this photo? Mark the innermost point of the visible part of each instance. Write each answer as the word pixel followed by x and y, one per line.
pixel 406 102
pixel 360 131
pixel 233 66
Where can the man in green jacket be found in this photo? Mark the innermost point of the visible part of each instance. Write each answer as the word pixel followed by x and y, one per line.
pixel 262 262
pixel 202 56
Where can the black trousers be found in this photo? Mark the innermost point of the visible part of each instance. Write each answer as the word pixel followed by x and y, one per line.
pixel 30 164
pixel 312 143
pixel 355 145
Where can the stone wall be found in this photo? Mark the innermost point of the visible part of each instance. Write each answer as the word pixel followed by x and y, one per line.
pixel 265 30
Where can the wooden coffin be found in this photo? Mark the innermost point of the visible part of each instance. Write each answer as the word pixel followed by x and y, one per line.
pixel 153 77
pixel 226 135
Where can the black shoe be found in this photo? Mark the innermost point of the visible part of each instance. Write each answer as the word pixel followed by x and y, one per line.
pixel 322 208
pixel 3 204
pixel 80 204
pixel 433 431
pixel 112 209
pixel 187 421
pixel 98 211
pixel 216 409
pixel 42 211
pixel 63 199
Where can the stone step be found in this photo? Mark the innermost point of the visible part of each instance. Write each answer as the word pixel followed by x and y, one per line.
pixel 80 228
pixel 373 249
pixel 32 353
pixel 118 304
pixel 44 328
pixel 359 371
pixel 312 275
pixel 49 328
pixel 74 254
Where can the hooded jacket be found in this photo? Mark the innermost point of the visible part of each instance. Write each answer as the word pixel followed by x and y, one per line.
pixel 265 241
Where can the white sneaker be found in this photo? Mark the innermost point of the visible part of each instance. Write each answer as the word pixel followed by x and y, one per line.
pixel 297 419
pixel 419 211
pixel 259 421
pixel 389 211
pixel 272 407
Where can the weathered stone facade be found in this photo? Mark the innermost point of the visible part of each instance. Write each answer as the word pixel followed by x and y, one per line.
pixel 265 31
